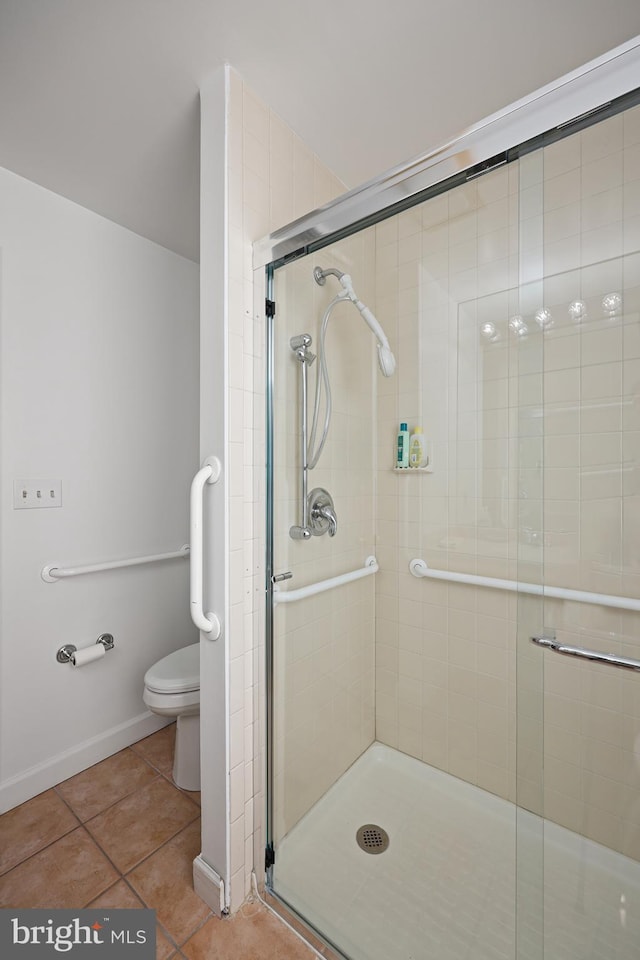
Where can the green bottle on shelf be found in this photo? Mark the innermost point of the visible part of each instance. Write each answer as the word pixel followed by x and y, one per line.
pixel 402 455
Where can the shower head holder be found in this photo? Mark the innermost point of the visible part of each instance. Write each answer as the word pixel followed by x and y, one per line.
pixel 320 275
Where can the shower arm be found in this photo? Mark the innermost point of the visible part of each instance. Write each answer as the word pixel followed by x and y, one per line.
pixel 320 275
pixel 300 346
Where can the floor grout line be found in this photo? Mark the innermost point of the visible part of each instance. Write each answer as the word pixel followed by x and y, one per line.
pixel 35 853
pixel 93 816
pixel 196 929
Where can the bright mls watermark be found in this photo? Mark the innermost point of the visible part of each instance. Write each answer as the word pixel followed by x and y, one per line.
pixel 79 934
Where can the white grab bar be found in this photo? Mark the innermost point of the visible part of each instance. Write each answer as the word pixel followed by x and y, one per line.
pixel 419 568
pixel 54 572
pixel 290 596
pixel 208 473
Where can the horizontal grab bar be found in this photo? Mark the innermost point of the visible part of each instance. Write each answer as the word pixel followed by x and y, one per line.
pixel 54 572
pixel 419 568
pixel 626 663
pixel 289 596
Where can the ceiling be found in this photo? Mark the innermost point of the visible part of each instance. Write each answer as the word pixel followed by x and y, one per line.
pixel 99 98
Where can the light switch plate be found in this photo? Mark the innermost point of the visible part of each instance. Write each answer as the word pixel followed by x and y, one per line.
pixel 36 494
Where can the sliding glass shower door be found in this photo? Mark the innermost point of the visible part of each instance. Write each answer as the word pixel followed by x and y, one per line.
pixel 578 648
pixel 323 639
pixel 455 710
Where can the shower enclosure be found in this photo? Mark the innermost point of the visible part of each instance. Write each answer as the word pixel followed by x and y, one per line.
pixel 453 695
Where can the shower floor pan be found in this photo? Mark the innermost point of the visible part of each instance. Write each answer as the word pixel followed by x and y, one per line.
pixel 445 887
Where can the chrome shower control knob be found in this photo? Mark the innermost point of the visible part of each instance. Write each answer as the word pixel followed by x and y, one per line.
pixel 322 513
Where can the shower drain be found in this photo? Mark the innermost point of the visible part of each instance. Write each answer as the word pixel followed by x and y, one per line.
pixel 372 839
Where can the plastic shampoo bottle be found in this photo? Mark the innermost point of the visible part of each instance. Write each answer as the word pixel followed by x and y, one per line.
pixel 402 455
pixel 416 448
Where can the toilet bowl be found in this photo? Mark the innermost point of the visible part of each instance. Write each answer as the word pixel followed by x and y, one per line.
pixel 172 689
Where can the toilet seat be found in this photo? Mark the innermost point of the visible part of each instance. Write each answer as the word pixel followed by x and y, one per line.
pixel 172 704
pixel 177 673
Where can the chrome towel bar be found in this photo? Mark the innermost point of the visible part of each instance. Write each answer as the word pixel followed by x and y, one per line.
pixel 625 663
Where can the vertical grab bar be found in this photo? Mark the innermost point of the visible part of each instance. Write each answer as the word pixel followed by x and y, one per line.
pixel 209 473
pixel 300 346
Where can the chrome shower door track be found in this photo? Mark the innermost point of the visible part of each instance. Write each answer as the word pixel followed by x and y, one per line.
pixel 558 107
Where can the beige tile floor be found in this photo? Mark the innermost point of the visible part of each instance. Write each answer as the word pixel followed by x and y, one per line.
pixel 121 834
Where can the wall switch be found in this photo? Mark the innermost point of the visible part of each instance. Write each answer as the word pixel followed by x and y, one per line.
pixel 36 494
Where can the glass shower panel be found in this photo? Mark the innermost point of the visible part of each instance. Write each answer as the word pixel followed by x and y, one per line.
pixel 494 541
pixel 592 725
pixel 323 642
pixel 579 794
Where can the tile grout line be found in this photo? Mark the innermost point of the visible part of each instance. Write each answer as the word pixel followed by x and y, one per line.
pixel 167 776
pixel 164 930
pixel 124 877
pixel 197 929
pixel 46 846
pixel 136 866
pixel 141 897
pixel 83 824
pixel 124 797
pixel 148 855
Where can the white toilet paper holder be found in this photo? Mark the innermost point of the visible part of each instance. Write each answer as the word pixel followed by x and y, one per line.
pixel 66 653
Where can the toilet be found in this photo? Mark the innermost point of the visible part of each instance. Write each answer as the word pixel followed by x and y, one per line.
pixel 172 689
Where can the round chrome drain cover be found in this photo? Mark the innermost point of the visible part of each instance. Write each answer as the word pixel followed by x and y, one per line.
pixel 372 839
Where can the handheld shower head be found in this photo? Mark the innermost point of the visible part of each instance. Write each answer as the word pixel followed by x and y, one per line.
pixel 386 359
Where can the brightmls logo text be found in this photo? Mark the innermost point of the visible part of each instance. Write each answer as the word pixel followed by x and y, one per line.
pixel 62 938
pixel 80 934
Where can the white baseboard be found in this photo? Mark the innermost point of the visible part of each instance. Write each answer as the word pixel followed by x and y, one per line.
pixel 209 885
pixel 47 774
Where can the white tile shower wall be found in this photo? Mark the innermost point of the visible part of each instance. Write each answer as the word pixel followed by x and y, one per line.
pixel 442 667
pixel 558 227
pixel 273 178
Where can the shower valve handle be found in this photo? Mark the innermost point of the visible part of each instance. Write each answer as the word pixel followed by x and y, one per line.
pixel 327 513
pixel 322 513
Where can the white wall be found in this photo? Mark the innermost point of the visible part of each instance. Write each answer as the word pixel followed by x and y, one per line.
pixel 99 337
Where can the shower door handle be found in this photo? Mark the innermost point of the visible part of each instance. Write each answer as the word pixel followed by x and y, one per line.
pixel 209 473
pixel 626 663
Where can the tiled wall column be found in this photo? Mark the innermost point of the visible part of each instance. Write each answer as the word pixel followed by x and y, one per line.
pixel 273 178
